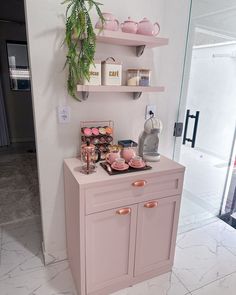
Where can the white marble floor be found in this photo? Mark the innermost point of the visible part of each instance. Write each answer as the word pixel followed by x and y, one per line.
pixel 204 183
pixel 19 188
pixel 205 264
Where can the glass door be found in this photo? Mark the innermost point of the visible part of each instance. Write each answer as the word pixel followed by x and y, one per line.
pixel 207 110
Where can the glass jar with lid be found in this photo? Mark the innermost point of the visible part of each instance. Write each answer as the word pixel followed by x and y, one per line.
pixel 144 77
pixel 133 77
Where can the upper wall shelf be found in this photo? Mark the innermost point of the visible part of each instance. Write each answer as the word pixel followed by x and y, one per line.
pixel 136 90
pixel 134 40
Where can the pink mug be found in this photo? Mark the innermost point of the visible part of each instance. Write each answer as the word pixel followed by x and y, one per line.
pixel 111 157
pixel 136 161
pixel 119 163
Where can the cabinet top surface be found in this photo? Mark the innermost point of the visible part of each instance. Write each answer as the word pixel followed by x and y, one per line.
pixel 164 166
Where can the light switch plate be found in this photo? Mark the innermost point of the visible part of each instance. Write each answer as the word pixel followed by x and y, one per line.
pixel 63 114
pixel 150 107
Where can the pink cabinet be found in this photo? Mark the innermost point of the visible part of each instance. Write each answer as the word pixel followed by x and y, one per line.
pixel 156 233
pixel 110 241
pixel 121 230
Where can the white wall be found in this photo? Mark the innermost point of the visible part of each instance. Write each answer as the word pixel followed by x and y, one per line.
pixel 55 142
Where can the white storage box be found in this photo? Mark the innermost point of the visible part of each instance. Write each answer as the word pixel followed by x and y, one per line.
pixel 95 74
pixel 111 72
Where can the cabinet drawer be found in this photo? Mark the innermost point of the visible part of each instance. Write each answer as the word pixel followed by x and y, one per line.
pixel 112 194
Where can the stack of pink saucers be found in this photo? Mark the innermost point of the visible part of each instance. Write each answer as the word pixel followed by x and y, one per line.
pixel 119 164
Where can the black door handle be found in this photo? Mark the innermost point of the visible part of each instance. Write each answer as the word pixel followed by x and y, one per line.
pixel 196 117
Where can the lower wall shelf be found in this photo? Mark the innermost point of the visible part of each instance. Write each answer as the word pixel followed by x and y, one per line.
pixel 136 90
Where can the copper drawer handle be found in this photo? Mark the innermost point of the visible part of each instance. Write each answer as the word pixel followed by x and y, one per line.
pixel 151 205
pixel 139 183
pixel 123 211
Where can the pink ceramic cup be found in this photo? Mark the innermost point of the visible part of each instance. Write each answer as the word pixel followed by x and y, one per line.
pixel 119 163
pixel 136 161
pixel 111 157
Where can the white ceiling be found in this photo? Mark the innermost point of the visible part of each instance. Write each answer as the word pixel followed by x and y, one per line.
pixel 202 7
pixel 215 15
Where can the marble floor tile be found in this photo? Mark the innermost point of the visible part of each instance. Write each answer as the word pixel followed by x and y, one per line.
pixel 20 248
pixel 55 279
pixel 19 188
pixel 201 258
pixel 205 264
pixel 191 226
pixel 225 286
pixel 224 234
pixel 166 284
pixel 192 215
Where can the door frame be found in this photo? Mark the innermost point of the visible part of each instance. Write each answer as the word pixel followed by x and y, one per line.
pixel 229 174
pixel 184 85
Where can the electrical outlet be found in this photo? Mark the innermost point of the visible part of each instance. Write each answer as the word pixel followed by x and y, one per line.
pixel 63 114
pixel 150 108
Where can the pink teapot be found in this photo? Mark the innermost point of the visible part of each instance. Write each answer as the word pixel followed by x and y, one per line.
pixel 111 23
pixel 129 26
pixel 145 27
pixel 128 153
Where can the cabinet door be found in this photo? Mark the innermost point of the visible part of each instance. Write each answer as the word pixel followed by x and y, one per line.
pixel 156 234
pixel 110 239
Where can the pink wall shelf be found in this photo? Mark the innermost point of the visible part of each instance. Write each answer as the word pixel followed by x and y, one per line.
pixel 136 90
pixel 134 40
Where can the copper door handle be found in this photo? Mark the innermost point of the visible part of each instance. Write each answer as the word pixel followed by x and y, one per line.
pixel 139 183
pixel 151 205
pixel 123 211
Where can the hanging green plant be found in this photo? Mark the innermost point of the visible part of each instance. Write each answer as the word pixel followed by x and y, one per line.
pixel 81 41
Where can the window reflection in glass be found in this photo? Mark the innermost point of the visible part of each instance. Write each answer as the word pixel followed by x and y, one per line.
pixel 18 66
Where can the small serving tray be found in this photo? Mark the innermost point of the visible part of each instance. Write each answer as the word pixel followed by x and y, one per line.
pixel 129 170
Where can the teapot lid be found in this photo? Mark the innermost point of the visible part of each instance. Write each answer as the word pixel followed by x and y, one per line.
pixel 144 20
pixel 129 20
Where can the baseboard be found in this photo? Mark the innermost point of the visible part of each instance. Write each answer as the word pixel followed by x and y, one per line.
pixel 56 256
